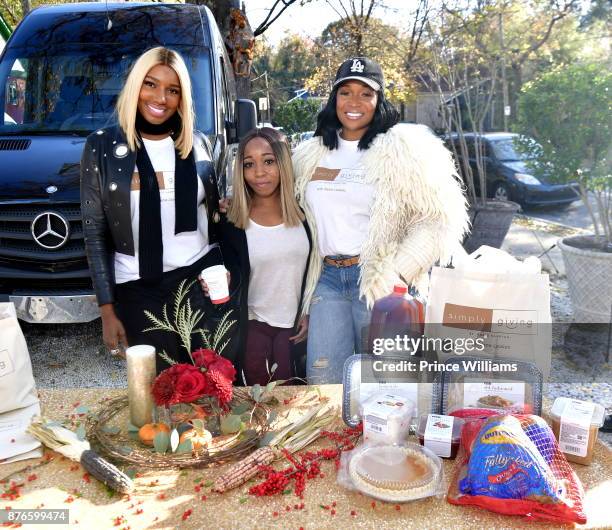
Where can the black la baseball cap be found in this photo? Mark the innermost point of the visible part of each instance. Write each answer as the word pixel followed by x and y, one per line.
pixel 361 69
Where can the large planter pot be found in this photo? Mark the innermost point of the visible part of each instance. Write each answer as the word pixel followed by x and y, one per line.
pixel 588 266
pixel 490 224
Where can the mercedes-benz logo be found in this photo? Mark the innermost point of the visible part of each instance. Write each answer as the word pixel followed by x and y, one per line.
pixel 50 230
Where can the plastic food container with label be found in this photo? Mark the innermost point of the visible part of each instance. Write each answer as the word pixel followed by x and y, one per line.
pixel 442 444
pixel 575 424
pixel 386 418
pixel 481 383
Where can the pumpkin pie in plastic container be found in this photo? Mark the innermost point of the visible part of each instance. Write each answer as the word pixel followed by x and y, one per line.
pixel 395 473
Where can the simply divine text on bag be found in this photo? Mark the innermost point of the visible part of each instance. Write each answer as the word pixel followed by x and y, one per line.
pixel 509 312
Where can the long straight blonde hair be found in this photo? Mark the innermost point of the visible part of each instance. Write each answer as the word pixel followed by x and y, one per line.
pixel 240 207
pixel 127 103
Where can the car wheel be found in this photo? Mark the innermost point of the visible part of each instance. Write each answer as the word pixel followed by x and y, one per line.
pixel 501 192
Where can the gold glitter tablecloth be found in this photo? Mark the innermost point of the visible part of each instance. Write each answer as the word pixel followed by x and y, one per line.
pixel 182 499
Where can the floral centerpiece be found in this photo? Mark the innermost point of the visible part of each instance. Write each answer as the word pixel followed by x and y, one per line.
pixel 204 420
pixel 206 384
pixel 201 418
pixel 210 375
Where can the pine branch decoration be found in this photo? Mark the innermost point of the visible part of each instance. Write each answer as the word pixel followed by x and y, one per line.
pixel 167 358
pixel 159 324
pixel 185 319
pixel 185 323
pixel 205 338
pixel 222 347
pixel 221 330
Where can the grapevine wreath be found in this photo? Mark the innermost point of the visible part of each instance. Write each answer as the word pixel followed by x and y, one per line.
pixel 119 444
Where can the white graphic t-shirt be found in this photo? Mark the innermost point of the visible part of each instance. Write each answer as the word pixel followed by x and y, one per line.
pixel 181 249
pixel 341 200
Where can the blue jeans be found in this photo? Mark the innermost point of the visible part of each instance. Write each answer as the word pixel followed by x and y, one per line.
pixel 337 317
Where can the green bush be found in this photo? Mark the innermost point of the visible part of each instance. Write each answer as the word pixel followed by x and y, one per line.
pixel 568 111
pixel 298 115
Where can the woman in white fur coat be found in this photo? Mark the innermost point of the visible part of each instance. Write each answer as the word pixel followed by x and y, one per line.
pixel 384 203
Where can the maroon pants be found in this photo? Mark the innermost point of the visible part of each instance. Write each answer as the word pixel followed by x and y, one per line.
pixel 266 342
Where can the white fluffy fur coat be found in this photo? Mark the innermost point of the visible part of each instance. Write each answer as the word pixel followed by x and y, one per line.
pixel 418 217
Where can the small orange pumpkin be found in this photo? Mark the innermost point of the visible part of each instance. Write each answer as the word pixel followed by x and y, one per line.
pixel 199 438
pixel 148 431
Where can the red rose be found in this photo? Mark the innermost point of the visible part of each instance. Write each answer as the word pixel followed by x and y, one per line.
pixel 190 383
pixel 181 383
pixel 203 357
pixel 218 372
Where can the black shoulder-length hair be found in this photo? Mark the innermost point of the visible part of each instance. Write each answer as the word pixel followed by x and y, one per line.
pixel 385 117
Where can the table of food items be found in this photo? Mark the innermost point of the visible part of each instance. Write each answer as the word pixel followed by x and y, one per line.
pixel 458 435
pixel 350 455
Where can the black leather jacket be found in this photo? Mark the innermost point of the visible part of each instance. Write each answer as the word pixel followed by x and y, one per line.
pixel 107 166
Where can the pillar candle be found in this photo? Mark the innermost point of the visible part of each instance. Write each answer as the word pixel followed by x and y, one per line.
pixel 141 374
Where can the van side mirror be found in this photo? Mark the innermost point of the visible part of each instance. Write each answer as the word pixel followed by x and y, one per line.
pixel 246 117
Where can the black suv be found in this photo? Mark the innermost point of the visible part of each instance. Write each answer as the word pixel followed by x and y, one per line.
pixel 60 75
pixel 508 177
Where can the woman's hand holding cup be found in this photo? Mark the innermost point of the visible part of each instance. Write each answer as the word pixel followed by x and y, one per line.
pixel 215 283
pixel 224 204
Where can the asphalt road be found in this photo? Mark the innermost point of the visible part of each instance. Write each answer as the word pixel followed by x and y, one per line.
pixel 576 216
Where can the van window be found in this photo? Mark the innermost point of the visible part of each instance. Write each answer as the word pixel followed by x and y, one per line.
pixel 74 91
pixel 139 25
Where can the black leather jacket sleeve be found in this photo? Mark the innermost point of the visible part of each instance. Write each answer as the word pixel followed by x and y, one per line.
pixel 105 202
pixel 95 225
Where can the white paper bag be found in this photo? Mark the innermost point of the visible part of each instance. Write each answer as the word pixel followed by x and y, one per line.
pixel 18 396
pixel 498 300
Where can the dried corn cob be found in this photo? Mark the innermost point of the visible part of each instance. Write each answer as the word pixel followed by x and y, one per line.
pixel 106 472
pixel 242 471
pixel 65 442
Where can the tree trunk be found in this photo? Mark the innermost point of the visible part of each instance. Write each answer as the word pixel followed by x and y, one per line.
pixel 516 84
pixel 243 87
pixel 238 37
pixel 26 7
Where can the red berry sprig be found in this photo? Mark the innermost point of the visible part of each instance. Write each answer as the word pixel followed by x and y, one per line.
pixel 307 466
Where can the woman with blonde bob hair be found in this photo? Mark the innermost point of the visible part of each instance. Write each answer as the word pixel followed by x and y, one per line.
pixel 266 243
pixel 127 103
pixel 149 202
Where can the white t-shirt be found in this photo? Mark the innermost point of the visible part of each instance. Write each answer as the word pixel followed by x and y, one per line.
pixel 278 256
pixel 341 200
pixel 181 249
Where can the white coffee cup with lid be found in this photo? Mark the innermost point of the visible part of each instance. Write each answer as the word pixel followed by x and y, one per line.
pixel 216 280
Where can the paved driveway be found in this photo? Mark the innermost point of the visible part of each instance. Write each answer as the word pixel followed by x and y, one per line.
pixel 577 215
